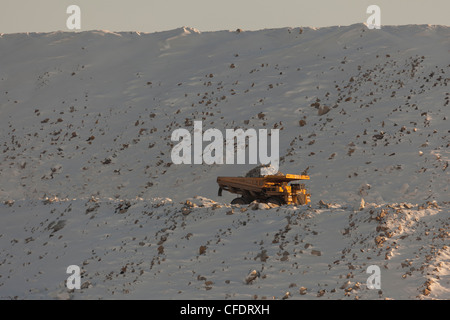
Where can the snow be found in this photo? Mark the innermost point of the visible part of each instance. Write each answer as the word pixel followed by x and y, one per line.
pixel 86 176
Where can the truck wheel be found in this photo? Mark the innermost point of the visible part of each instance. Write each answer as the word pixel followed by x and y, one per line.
pixel 240 200
pixel 274 201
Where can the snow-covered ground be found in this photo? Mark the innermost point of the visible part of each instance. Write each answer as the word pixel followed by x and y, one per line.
pixel 86 176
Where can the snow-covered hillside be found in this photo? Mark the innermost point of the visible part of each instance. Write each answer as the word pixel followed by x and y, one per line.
pixel 86 175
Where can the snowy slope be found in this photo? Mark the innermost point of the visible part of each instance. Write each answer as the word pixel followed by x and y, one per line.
pixel 158 250
pixel 86 120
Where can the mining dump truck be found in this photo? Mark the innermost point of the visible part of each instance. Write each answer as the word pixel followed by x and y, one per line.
pixel 276 189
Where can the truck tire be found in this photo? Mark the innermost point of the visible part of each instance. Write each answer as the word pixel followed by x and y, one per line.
pixel 275 201
pixel 240 200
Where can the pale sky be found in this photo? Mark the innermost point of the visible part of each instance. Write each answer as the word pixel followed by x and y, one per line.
pixel 212 15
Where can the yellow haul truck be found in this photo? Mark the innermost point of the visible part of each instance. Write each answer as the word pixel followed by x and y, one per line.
pixel 275 189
